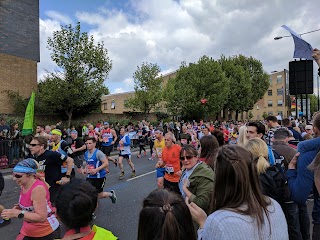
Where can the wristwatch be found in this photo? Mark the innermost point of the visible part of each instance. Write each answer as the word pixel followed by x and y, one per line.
pixel 67 176
pixel 21 215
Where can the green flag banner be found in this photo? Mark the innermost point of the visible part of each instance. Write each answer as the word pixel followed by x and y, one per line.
pixel 28 117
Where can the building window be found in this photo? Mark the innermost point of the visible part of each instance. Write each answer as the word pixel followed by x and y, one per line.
pixel 269 103
pixel 280 92
pixel 270 113
pixel 279 79
pixel 105 106
pixel 257 106
pixel 270 80
pixel 280 113
pixel 113 105
pixel 280 103
pixel 270 92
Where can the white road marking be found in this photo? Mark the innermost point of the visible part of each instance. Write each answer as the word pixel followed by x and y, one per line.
pixel 142 175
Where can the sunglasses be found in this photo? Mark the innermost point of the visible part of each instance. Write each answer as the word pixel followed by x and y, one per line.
pixel 33 144
pixel 186 157
pixel 17 175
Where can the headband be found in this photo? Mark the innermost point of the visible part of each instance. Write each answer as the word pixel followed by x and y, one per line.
pixel 22 169
pixel 56 132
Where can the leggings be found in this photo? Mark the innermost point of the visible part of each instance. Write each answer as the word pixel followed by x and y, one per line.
pixel 141 148
pixel 151 143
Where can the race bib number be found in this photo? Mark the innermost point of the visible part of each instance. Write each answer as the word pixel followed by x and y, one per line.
pixel 169 169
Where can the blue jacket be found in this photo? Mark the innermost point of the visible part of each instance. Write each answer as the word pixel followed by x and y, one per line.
pixel 301 180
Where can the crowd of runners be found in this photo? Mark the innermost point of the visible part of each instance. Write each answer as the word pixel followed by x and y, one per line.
pixel 216 180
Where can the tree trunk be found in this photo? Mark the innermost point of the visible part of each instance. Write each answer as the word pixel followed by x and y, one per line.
pixel 237 114
pixel 69 114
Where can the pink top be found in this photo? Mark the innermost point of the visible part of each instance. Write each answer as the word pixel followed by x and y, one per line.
pixel 37 229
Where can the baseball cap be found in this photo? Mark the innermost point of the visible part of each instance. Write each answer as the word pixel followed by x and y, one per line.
pixel 74 131
pixel 105 123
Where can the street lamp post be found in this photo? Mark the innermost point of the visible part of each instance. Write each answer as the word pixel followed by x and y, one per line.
pixel 280 37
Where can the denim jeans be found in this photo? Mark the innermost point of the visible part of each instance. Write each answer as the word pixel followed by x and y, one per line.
pixel 297 220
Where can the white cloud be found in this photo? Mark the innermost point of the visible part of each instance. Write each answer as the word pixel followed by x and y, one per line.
pixel 59 17
pixel 46 64
pixel 168 32
pixel 118 90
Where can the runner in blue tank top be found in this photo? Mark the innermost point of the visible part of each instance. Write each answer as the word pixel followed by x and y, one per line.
pixel 96 163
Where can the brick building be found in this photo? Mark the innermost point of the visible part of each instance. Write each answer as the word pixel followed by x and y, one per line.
pixel 115 103
pixel 19 49
pixel 276 100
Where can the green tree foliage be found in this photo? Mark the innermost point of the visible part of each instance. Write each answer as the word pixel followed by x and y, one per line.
pixel 18 102
pixel 259 79
pixel 240 86
pixel 202 80
pixel 84 65
pixel 313 103
pixel 147 87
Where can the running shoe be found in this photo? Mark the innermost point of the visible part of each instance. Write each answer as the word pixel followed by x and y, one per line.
pixel 150 159
pixel 139 156
pixel 133 174
pixel 145 153
pixel 113 196
pixel 121 175
pixel 116 162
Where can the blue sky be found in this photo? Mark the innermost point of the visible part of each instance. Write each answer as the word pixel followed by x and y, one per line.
pixel 168 32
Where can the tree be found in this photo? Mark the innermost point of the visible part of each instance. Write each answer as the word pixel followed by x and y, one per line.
pixel 147 87
pixel 259 78
pixel 313 103
pixel 240 86
pixel 84 65
pixel 250 116
pixel 202 80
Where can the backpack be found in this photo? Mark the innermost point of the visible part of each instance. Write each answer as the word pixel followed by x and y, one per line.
pixel 274 181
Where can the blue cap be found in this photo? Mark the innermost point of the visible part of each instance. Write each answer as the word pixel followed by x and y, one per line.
pixel 105 123
pixel 74 131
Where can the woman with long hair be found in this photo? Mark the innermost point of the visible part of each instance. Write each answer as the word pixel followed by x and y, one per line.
pixel 39 220
pixel 165 216
pixel 239 210
pixel 259 149
pixel 242 138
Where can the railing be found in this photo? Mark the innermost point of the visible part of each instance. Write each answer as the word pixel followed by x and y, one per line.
pixel 10 152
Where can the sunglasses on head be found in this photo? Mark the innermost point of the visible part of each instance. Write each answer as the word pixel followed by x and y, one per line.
pixel 17 175
pixel 185 157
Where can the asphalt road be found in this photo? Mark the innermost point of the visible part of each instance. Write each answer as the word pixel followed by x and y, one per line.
pixel 121 218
